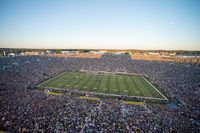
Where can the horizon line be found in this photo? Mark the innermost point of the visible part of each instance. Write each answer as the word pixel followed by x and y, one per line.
pixel 99 49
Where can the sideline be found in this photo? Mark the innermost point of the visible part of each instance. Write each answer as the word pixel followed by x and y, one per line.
pixel 155 88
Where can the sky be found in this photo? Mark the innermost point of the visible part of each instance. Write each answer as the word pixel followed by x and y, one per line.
pixel 100 24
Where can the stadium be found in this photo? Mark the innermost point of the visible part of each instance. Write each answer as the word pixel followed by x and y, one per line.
pixel 70 93
pixel 99 66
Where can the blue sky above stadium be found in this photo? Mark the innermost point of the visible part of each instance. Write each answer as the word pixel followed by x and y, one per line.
pixel 112 24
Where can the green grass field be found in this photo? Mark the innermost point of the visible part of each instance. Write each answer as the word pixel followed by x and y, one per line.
pixel 109 84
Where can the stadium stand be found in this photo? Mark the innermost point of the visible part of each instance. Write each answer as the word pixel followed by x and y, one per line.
pixel 26 110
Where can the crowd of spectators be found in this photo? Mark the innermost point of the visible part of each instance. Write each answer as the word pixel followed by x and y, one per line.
pixel 109 63
pixel 180 81
pixel 25 110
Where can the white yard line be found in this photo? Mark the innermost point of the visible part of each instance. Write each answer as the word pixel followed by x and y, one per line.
pixel 50 79
pixel 155 88
pixel 144 88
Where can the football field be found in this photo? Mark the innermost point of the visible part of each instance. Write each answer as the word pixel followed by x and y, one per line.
pixel 106 84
